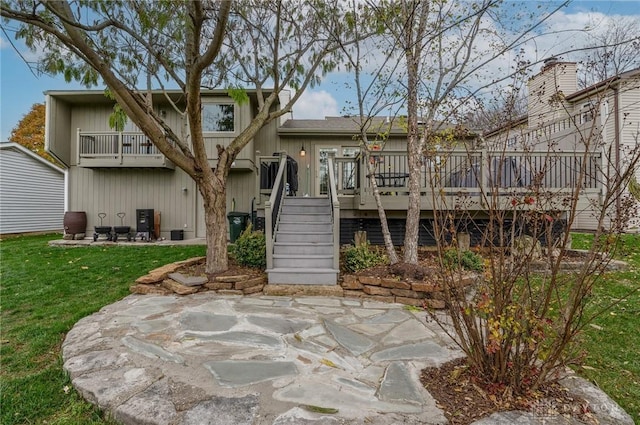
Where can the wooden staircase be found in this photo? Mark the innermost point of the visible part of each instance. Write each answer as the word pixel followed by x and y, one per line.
pixel 303 251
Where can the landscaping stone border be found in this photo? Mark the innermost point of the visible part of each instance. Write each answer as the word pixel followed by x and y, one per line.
pixel 167 280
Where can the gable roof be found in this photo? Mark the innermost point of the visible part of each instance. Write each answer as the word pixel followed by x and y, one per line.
pixel 604 84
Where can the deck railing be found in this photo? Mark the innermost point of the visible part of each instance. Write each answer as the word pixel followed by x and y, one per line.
pixel 335 210
pixel 112 148
pixel 479 174
pixel 272 208
pixel 455 170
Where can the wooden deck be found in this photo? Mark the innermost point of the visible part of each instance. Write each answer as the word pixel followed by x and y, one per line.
pixel 471 180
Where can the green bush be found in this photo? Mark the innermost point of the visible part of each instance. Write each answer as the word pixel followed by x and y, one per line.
pixel 466 259
pixel 251 249
pixel 362 257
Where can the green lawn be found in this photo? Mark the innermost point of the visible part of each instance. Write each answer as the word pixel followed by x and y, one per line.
pixel 612 344
pixel 45 290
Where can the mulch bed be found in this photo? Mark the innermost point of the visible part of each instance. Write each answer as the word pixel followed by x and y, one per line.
pixel 235 269
pixel 464 398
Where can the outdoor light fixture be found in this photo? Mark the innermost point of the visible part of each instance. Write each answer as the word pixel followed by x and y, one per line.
pixel 302 151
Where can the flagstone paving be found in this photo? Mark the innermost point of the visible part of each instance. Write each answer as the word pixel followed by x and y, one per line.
pixel 210 359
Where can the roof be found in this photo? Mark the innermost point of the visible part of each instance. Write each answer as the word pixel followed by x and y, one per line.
pixel 19 148
pixel 604 84
pixel 80 97
pixel 523 120
pixel 347 126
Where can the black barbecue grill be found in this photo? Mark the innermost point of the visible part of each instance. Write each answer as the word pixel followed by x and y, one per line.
pixel 144 224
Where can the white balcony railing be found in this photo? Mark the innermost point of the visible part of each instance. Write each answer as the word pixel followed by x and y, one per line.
pixel 118 149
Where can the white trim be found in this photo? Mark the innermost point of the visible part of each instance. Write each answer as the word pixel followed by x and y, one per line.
pixel 226 101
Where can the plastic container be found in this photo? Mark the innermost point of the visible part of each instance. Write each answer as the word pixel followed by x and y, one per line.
pixel 237 224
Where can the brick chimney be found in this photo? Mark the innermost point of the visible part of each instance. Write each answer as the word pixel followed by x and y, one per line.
pixel 547 90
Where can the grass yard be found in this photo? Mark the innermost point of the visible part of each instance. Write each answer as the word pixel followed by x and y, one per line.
pixel 612 342
pixel 45 290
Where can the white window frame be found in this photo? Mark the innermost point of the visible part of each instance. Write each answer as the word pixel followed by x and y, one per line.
pixel 206 103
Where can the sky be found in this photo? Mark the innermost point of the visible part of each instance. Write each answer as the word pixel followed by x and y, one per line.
pixel 20 88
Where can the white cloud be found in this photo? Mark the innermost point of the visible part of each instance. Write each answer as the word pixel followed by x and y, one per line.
pixel 315 105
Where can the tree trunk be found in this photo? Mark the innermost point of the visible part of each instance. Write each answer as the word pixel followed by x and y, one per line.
pixel 214 197
pixel 413 38
pixel 384 225
pixel 413 208
pixel 413 161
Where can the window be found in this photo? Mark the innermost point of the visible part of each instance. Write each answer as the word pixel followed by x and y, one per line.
pixel 218 117
pixel 587 112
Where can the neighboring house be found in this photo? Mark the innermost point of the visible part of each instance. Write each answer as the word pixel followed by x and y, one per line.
pixel 31 192
pixel 603 118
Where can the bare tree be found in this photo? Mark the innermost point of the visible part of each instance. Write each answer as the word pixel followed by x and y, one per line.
pixel 446 47
pixel 610 51
pixel 272 46
pixel 372 88
pixel 520 324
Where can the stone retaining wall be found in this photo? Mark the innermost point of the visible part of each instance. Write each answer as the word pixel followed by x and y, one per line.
pixel 419 294
pixel 167 280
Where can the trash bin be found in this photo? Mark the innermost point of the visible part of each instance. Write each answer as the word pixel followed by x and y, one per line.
pixel 237 224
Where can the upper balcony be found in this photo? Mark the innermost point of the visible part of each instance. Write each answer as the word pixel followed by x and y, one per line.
pixel 113 149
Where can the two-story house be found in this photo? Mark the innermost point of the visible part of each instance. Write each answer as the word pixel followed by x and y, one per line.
pixel 113 175
pixel 115 172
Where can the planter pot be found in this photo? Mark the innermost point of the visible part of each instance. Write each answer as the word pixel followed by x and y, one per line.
pixel 75 222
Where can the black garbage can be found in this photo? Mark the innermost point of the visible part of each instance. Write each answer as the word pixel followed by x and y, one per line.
pixel 237 224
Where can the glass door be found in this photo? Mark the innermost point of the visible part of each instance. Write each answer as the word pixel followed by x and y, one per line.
pixel 345 173
pixel 322 168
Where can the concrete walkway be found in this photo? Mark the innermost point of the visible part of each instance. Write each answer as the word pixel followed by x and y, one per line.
pixel 222 360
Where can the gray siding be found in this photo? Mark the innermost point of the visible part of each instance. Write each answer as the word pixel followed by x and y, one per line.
pixel 556 78
pixel 125 190
pixel 58 129
pixel 31 193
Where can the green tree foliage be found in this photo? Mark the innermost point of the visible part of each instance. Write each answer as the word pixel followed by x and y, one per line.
pixel 268 47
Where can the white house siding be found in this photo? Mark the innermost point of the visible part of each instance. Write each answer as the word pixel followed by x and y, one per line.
pixel 31 192
pixel 630 104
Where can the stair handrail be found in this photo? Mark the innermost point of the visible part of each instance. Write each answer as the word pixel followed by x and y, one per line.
pixel 335 210
pixel 273 207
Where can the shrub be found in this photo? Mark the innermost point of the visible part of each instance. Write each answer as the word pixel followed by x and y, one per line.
pixel 466 259
pixel 362 257
pixel 251 249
